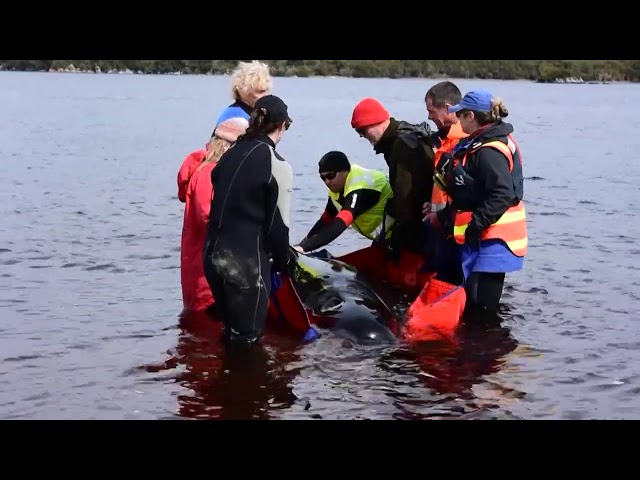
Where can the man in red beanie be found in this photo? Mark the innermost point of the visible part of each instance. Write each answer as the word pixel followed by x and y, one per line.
pixel 408 150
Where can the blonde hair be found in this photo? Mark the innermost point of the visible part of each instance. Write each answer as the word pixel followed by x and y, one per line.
pixel 215 148
pixel 223 137
pixel 498 109
pixel 498 112
pixel 250 76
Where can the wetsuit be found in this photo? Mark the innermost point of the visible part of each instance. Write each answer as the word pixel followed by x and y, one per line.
pixel 248 225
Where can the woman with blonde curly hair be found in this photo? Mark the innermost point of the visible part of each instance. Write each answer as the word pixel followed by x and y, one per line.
pixel 249 82
pixel 196 293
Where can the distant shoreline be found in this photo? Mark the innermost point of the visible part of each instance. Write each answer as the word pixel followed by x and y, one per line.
pixel 559 80
pixel 541 71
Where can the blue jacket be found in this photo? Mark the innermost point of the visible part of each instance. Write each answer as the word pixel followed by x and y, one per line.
pixel 236 109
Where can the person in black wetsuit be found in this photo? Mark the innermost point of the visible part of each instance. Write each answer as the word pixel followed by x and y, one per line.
pixel 249 223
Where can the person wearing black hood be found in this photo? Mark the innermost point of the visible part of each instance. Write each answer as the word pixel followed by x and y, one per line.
pixel 484 178
pixel 249 223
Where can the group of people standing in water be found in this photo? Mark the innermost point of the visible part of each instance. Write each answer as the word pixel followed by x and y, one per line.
pixel 451 203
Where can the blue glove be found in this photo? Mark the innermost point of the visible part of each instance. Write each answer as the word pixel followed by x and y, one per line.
pixel 276 281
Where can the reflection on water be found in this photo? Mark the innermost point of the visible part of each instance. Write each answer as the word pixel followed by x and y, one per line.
pixel 430 380
pixel 225 385
pixel 456 375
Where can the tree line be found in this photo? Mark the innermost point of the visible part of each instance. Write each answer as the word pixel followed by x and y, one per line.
pixel 536 70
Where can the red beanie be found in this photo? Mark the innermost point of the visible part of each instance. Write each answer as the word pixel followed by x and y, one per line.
pixel 368 112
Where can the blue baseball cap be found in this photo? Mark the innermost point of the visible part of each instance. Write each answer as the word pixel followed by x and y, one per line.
pixel 478 100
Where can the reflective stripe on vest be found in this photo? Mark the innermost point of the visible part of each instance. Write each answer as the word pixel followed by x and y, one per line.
pixel 439 198
pixel 511 227
pixel 368 224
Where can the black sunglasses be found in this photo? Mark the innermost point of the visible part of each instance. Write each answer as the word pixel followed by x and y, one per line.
pixel 328 176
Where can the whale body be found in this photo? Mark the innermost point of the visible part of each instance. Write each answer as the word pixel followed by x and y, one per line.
pixel 343 301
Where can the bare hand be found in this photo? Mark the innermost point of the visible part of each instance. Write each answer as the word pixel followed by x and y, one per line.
pixel 426 211
pixel 433 219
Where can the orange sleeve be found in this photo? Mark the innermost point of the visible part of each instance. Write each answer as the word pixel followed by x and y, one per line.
pixel 346 216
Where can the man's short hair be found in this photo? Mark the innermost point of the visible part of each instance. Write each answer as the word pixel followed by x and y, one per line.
pixel 442 93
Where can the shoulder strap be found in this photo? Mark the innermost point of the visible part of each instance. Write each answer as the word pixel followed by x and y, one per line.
pixel 501 147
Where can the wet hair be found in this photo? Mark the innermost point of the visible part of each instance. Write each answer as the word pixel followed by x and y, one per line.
pixel 497 113
pixel 442 93
pixel 258 125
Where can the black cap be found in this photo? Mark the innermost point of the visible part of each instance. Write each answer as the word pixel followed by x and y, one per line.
pixel 277 110
pixel 334 161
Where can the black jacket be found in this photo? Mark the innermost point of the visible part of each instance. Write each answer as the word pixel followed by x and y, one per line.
pixel 495 189
pixel 408 151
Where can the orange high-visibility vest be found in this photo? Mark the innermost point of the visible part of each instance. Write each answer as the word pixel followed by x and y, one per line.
pixel 511 227
pixel 439 198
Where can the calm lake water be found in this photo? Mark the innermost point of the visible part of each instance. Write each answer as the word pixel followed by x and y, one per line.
pixel 90 280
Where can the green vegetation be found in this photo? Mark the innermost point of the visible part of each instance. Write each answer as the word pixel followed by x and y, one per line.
pixel 537 70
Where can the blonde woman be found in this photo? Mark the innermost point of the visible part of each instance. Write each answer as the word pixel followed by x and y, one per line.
pixel 249 82
pixel 196 293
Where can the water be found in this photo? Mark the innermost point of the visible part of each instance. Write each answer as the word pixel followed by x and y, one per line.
pixel 90 280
